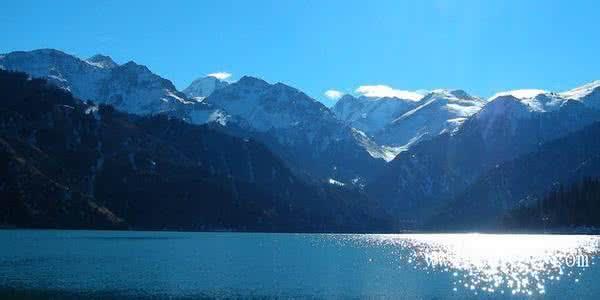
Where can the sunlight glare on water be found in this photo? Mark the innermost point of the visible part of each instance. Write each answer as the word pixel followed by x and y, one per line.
pixel 494 263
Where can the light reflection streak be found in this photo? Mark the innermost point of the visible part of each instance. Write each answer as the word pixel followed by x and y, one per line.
pixel 494 263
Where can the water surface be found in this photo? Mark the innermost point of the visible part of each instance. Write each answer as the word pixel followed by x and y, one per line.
pixel 257 265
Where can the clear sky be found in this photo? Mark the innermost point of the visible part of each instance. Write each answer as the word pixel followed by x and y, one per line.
pixel 480 46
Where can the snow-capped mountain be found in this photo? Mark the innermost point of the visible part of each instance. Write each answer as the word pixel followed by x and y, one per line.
pixel 538 100
pixel 346 143
pixel 203 87
pixel 438 112
pixel 130 87
pixel 505 110
pixel 285 117
pixel 511 107
pixel 588 94
pixel 267 106
pixel 533 100
pixel 504 117
pixel 509 125
pixel 396 124
pixel 370 114
pixel 300 129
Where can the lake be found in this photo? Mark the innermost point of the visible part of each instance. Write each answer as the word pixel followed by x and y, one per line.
pixel 111 264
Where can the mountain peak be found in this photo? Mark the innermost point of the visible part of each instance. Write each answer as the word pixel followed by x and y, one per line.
pixel 506 98
pixel 449 93
pixel 284 87
pixel 504 106
pixel 47 51
pixel 203 87
pixel 252 81
pixel 102 61
pixel 133 66
pixel 520 94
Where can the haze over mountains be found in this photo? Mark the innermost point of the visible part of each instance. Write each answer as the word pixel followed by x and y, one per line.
pixel 419 158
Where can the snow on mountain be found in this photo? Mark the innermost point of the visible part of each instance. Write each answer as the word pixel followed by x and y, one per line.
pixel 370 114
pixel 438 112
pixel 543 101
pixel 535 100
pixel 129 87
pixel 134 88
pixel 397 124
pixel 506 105
pixel 502 112
pixel 266 106
pixel 442 167
pixel 102 61
pixel 582 91
pixel 588 94
pixel 521 104
pixel 64 70
pixel 335 182
pixel 384 152
pixel 203 87
pixel 396 128
pixel 202 113
pixel 506 110
pixel 519 94
pixel 300 129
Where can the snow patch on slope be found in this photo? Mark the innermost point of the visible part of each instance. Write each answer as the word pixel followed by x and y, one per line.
pixel 582 91
pixel 335 182
pixel 440 111
pixel 535 100
pixel 203 87
pixel 519 94
pixel 382 152
pixel 370 114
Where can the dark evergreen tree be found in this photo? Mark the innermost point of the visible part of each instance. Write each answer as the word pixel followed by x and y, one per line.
pixel 575 206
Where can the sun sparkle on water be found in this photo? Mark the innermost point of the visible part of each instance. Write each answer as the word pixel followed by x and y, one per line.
pixel 495 263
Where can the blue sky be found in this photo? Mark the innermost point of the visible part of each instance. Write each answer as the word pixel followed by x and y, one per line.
pixel 480 46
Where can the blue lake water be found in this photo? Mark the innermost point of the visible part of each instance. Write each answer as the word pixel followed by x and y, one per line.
pixel 258 265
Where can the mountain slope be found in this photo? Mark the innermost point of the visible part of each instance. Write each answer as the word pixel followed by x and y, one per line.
pixel 298 128
pixel 524 180
pixel 370 114
pixel 203 87
pixel 576 206
pixel 32 199
pixel 438 112
pixel 589 94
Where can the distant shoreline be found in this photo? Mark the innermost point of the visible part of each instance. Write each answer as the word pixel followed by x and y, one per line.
pixel 557 231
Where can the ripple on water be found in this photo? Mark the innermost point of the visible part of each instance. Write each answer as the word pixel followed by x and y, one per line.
pixel 494 263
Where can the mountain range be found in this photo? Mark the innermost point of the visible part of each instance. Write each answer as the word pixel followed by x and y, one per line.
pixel 435 172
pixel 444 158
pixel 68 163
pixel 298 128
